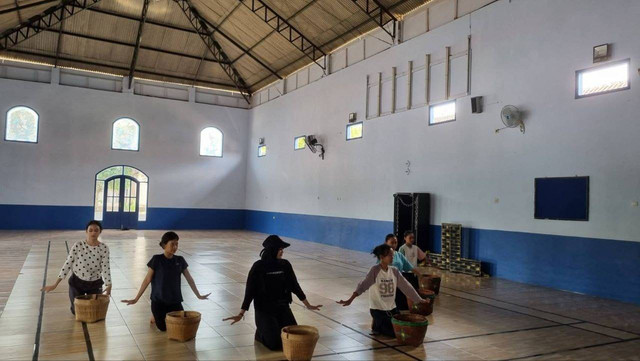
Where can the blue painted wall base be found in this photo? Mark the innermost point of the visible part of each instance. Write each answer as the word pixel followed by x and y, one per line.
pixel 76 217
pixel 600 267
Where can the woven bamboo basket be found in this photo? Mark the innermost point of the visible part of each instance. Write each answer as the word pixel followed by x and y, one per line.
pixel 430 282
pixel 424 309
pixel 182 325
pixel 410 328
pixel 298 342
pixel 91 308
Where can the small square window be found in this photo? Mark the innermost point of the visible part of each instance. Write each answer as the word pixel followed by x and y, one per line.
pixel 603 79
pixel 354 131
pixel 262 150
pixel 442 113
pixel 299 143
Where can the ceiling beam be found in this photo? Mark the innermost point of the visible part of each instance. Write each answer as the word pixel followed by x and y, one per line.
pixel 59 42
pixel 273 31
pixel 282 26
pixel 46 20
pixel 190 30
pixel 206 34
pixel 331 41
pixel 18 8
pixel 134 59
pixel 18 11
pixel 123 43
pixel 118 67
pixel 379 14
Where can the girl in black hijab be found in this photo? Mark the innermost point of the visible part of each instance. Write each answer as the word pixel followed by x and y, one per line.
pixel 270 283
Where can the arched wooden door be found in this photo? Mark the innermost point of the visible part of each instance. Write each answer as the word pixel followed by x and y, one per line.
pixel 121 203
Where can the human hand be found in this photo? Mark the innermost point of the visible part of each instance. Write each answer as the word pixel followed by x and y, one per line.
pixel 345 303
pixel 235 319
pixel 203 297
pixel 49 288
pixel 130 302
pixel 107 291
pixel 312 307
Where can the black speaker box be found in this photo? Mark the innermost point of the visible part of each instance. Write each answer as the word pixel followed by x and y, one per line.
pixel 412 211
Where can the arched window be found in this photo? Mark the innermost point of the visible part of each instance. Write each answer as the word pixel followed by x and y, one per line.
pixel 21 125
pixel 211 142
pixel 125 135
pixel 112 198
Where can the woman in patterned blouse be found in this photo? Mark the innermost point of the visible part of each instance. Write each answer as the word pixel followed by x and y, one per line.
pixel 88 262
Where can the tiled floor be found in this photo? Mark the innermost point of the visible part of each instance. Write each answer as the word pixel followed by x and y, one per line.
pixel 474 318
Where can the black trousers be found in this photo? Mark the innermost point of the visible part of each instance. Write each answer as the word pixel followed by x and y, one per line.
pixel 160 310
pixel 269 324
pixel 78 287
pixel 382 321
pixel 401 299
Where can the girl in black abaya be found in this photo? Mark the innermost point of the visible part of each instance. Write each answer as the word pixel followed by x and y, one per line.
pixel 270 283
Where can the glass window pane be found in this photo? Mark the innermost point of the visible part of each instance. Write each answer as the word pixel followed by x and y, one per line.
pixel 110 189
pixel 299 143
pixel 126 205
pixel 603 79
pixel 211 142
pixel 22 125
pixel 262 151
pixel 132 205
pixel 127 187
pixel 116 204
pixel 98 201
pixel 134 188
pixel 142 203
pixel 109 204
pixel 354 131
pixel 138 175
pixel 126 133
pixel 116 187
pixel 109 172
pixel 442 112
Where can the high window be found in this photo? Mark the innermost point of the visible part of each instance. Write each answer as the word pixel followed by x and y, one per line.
pixel 21 125
pixel 125 135
pixel 211 142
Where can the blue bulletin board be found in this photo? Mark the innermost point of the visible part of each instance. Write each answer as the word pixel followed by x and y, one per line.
pixel 564 198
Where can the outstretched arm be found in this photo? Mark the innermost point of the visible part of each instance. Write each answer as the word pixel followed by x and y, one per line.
pixel 143 287
pixel 249 292
pixel 298 290
pixel 192 284
pixel 364 285
pixel 66 268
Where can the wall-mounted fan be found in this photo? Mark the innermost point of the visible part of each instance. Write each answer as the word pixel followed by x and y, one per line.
pixel 511 117
pixel 313 145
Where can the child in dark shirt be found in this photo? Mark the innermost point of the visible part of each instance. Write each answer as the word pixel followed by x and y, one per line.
pixel 164 275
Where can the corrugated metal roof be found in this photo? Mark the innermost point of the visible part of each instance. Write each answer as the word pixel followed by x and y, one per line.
pixel 103 38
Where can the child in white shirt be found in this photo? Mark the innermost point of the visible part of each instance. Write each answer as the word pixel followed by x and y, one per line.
pixel 410 251
pixel 385 278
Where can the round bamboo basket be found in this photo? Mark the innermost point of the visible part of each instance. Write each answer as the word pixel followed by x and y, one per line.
pixel 298 342
pixel 424 309
pixel 410 329
pixel 430 282
pixel 91 308
pixel 182 325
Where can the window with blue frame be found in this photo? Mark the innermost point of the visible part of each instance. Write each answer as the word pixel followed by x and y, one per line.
pixel 211 141
pixel 21 125
pixel 603 79
pixel 442 113
pixel 125 135
pixel 262 150
pixel 354 131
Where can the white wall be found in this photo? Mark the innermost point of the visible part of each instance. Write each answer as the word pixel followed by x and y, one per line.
pixel 524 53
pixel 75 143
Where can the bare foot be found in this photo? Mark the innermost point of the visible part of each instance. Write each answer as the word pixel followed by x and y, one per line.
pixel 152 320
